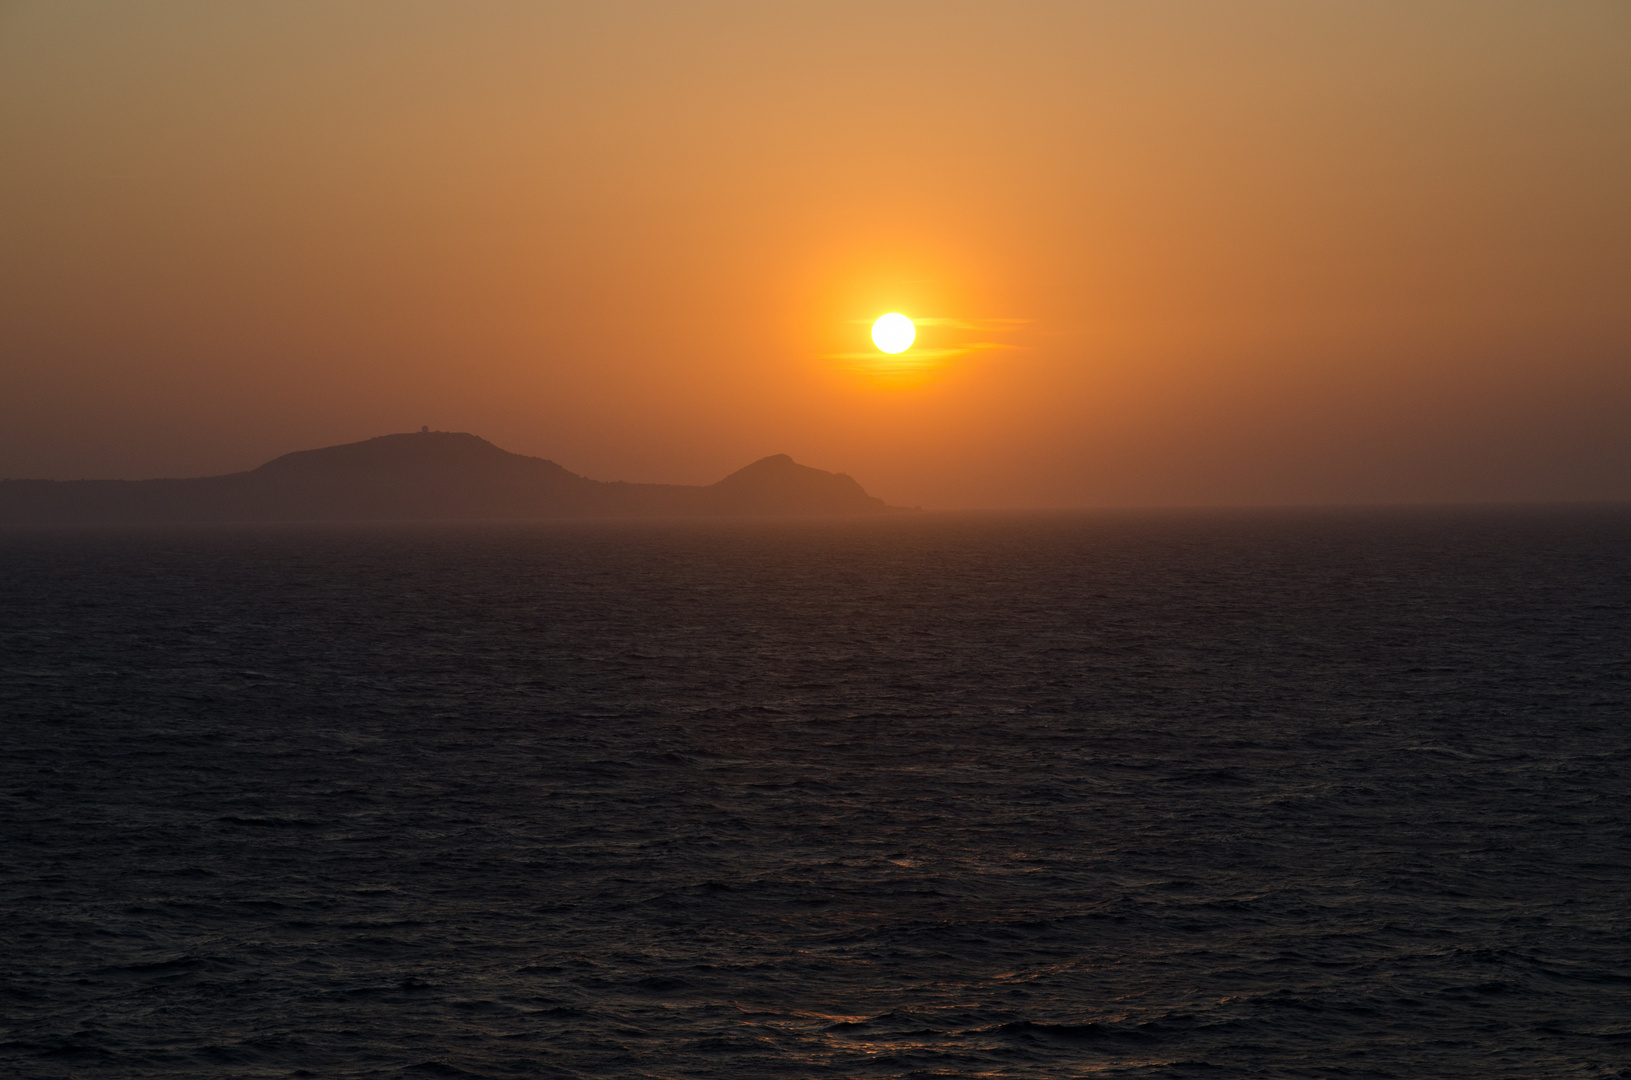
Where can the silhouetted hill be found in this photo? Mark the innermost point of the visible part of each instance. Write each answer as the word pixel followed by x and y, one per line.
pixel 780 485
pixel 431 475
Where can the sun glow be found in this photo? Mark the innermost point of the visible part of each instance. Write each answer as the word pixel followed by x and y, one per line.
pixel 893 333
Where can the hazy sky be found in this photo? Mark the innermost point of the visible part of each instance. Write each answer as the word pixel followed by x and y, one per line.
pixel 1169 252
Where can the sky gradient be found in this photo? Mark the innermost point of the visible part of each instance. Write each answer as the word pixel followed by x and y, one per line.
pixel 1161 252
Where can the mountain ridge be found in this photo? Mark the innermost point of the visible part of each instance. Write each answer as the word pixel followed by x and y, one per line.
pixel 432 476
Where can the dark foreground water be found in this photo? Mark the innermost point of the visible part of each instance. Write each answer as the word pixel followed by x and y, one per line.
pixel 1249 795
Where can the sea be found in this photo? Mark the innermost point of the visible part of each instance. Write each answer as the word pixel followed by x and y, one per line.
pixel 1211 794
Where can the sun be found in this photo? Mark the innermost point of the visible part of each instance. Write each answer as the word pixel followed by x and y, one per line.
pixel 893 333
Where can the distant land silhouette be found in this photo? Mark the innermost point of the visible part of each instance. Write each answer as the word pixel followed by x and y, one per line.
pixel 428 475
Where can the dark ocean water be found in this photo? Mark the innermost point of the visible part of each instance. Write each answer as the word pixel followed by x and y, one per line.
pixel 1321 794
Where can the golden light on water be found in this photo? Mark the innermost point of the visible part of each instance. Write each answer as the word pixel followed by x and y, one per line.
pixel 893 333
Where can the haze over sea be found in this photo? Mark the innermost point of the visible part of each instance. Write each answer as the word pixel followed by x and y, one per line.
pixel 1224 794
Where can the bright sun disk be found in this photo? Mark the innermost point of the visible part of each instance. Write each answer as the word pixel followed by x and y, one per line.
pixel 893 333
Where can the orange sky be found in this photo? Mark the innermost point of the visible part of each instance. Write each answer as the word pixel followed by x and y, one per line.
pixel 1231 252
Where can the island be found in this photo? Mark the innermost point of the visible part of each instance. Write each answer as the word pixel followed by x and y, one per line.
pixel 429 476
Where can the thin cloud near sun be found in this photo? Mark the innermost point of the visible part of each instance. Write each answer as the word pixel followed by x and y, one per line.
pixel 917 357
pixel 982 325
